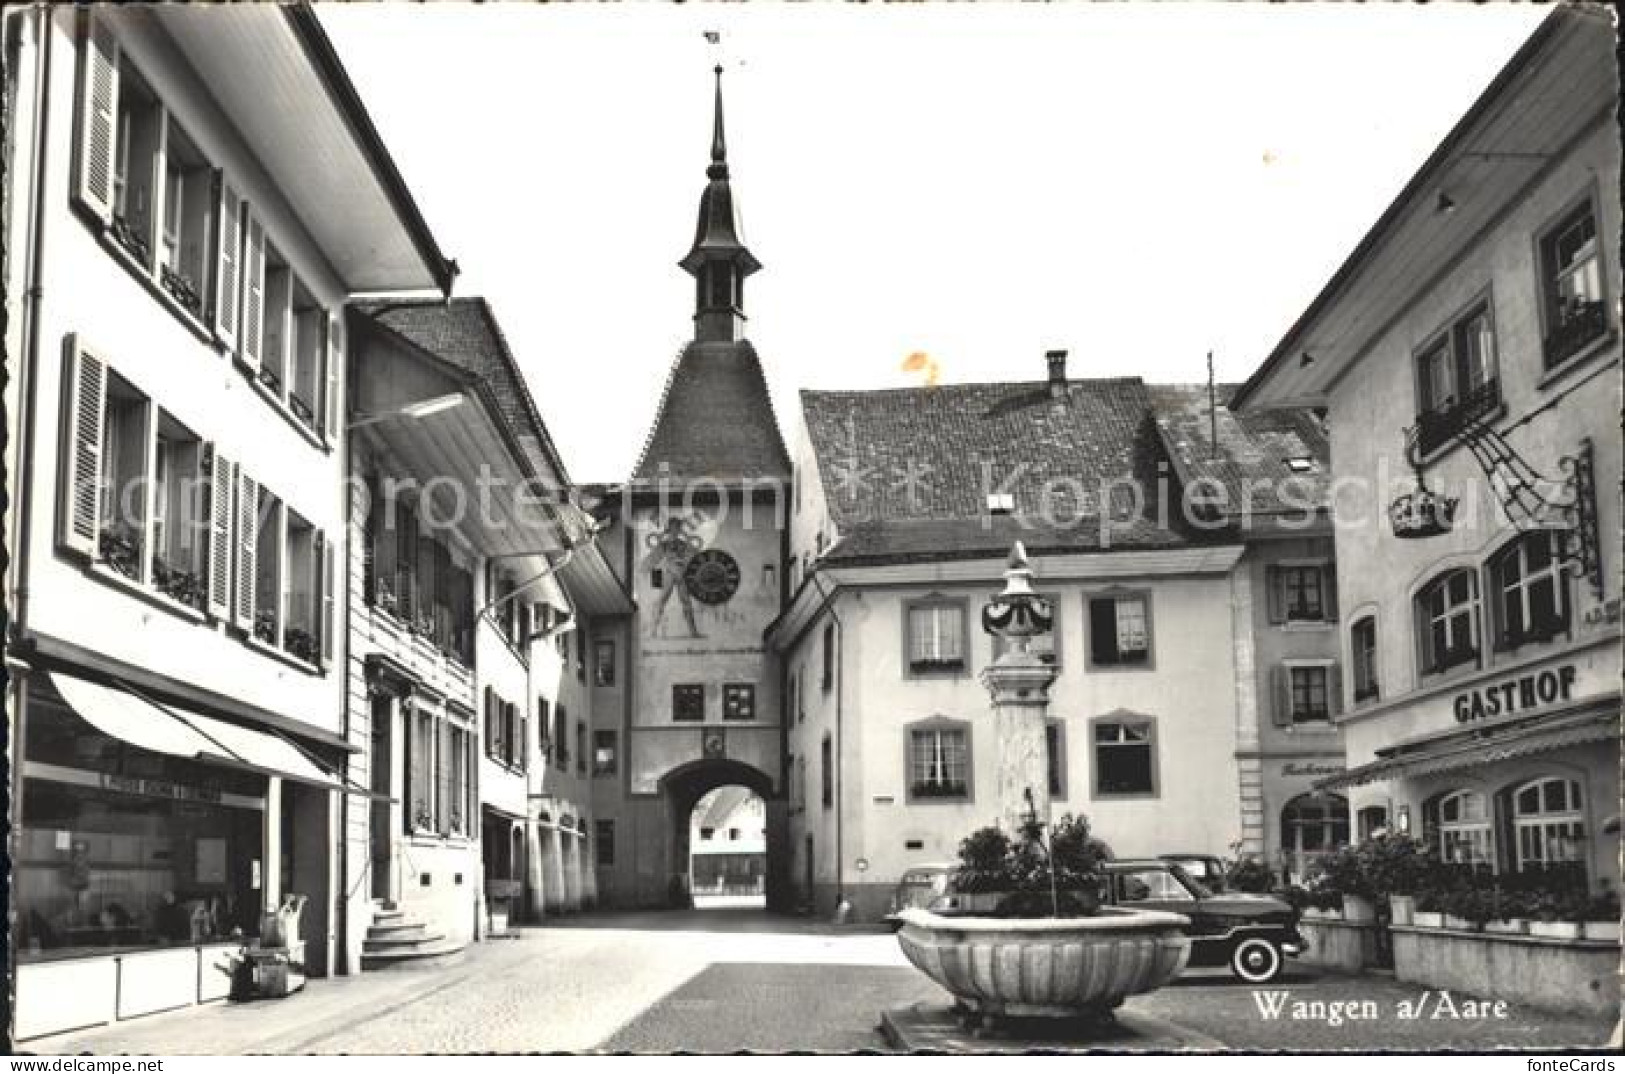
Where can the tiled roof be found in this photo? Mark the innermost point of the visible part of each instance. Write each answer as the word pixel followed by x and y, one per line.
pixel 906 472
pixel 715 420
pixel 1253 449
pixel 464 332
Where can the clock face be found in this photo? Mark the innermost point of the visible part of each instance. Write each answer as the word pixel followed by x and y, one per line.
pixel 712 576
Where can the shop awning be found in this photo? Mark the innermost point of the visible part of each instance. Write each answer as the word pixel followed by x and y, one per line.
pixel 1506 744
pixel 183 733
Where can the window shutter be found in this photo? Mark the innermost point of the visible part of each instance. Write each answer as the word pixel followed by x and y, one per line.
pixel 1334 689
pixel 228 256
pixel 221 478
pixel 409 723
pixel 1281 693
pixel 1275 594
pixel 490 724
pixel 333 422
pixel 85 411
pixel 524 740
pixel 247 548
pixel 327 559
pixel 98 118
pixel 252 329
pixel 1328 587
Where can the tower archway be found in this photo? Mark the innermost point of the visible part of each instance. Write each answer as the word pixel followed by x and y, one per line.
pixel 683 789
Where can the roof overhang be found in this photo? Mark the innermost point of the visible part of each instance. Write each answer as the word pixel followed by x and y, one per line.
pixel 1558 88
pixel 273 71
pixel 822 584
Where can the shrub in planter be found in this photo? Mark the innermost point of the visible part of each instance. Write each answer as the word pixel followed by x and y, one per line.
pixel 1601 917
pixel 1339 872
pixel 1392 864
pixel 990 862
pixel 1251 876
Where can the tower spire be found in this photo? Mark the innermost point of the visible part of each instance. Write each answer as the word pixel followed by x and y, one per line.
pixel 719 144
pixel 718 260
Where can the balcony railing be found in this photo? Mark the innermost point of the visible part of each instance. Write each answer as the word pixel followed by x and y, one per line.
pixel 1579 321
pixel 1435 428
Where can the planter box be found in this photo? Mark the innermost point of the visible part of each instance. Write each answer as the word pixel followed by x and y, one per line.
pixel 1555 930
pixel 1401 909
pixel 1428 919
pixel 1318 913
pixel 1047 967
pixel 1515 927
pixel 1358 909
pixel 1601 930
pixel 1567 975
pixel 1451 921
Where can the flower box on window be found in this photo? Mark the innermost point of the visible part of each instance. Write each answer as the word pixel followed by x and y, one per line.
pixel 130 239
pixel 269 378
pixel 938 790
pixel 182 289
pixel 120 548
pixel 1579 321
pixel 184 586
pixel 265 626
pixel 301 409
pixel 953 663
pixel 302 644
pixel 1366 693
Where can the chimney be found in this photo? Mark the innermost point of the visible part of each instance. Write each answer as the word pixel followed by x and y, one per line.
pixel 1057 373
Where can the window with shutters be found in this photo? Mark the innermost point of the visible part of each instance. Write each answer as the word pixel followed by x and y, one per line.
pixel 440 778
pixel 1301 594
pixel 184 245
pixel 180 519
pixel 1363 651
pixel 302 551
pixel 938 753
pixel 1310 701
pixel 1447 623
pixel 934 637
pixel 604 753
pixel 1306 692
pixel 122 542
pixel 1119 630
pixel 1125 754
pixel 293 578
pixel 292 331
pixel 1531 593
pixel 421 792
pixel 137 154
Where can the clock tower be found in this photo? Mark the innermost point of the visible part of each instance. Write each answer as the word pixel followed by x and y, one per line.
pixel 700 541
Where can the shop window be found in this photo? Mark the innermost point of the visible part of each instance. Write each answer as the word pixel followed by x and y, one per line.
pixel 1125 750
pixel 1548 825
pixel 1045 646
pixel 126 850
pixel 604 753
pixel 826 773
pixel 603 841
pixel 1531 598
pixel 1574 303
pixel 1055 757
pixel 935 636
pixel 1464 830
pixel 1447 622
pixel 739 701
pixel 603 662
pixel 1363 650
pixel 688 702
pixel 1456 378
pixel 1120 630
pixel 939 760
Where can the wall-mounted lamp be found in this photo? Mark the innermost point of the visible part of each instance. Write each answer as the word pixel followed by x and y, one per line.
pixel 1404 820
pixel 420 409
pixel 1445 204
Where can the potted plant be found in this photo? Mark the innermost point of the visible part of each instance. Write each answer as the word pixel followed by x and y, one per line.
pixel 1428 914
pixel 1601 917
pixel 1342 871
pixel 1556 915
pixel 1059 952
pixel 1509 910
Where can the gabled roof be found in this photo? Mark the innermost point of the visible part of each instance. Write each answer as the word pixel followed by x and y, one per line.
pixel 906 472
pixel 464 333
pixel 1250 458
pixel 715 420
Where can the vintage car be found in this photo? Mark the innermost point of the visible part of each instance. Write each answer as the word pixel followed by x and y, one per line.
pixel 1205 869
pixel 1249 933
pixel 920 886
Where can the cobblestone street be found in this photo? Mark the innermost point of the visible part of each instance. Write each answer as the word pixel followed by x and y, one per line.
pixel 728 980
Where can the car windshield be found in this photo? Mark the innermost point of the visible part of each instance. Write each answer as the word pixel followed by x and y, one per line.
pixel 1202 890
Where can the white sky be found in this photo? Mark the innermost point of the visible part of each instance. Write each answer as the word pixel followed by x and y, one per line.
pixel 1137 183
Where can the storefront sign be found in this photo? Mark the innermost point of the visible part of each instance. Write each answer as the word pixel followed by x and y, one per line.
pixel 1516 695
pixel 158 788
pixel 1604 614
pixel 1310 768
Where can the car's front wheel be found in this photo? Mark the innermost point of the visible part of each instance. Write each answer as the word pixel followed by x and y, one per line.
pixel 1256 960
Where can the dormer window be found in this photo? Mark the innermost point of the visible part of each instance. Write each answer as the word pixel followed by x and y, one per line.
pixel 1001 503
